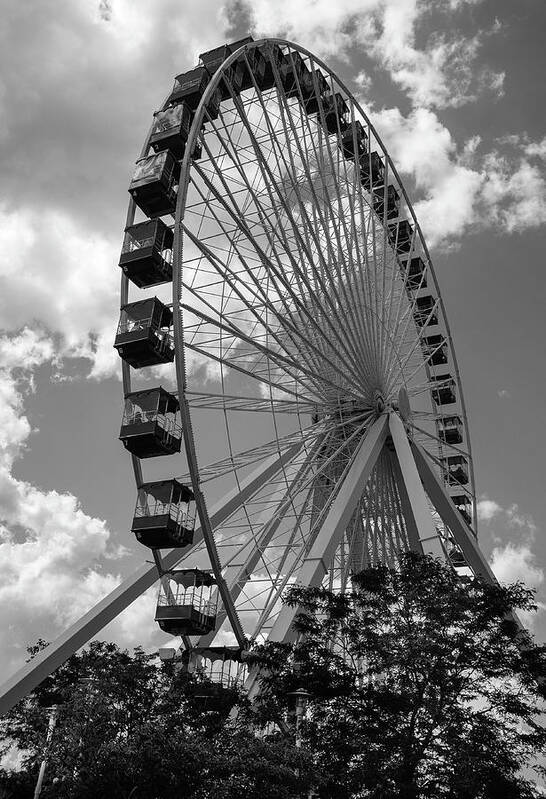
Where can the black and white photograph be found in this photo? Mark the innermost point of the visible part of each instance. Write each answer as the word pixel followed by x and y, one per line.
pixel 272 380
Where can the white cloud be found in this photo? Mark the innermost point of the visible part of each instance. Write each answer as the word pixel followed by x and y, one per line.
pixel 517 562
pixel 488 509
pixel 441 73
pixel 50 549
pixel 324 27
pixel 62 279
pixel 513 195
pixel 459 190
pixel 536 148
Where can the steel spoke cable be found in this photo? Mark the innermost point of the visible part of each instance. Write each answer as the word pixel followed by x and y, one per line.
pixel 209 400
pixel 268 178
pixel 348 264
pixel 280 360
pixel 213 260
pixel 438 440
pixel 259 452
pixel 412 299
pixel 422 363
pixel 311 184
pixel 287 286
pixel 313 533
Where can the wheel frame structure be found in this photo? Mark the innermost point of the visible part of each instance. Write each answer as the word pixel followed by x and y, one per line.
pixel 419 482
pixel 193 140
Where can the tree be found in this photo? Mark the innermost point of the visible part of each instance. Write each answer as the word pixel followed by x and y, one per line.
pixel 422 685
pixel 130 728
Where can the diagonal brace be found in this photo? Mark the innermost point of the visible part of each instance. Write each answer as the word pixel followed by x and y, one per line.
pixel 421 528
pixel 32 673
pixel 317 561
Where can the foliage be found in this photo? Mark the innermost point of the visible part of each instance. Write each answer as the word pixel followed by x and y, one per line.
pixel 422 685
pixel 129 728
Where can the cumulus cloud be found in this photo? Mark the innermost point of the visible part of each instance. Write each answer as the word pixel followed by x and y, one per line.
pixel 513 196
pixel 488 509
pixel 514 560
pixel 440 73
pixel 517 562
pixel 62 279
pixel 52 553
pixel 463 189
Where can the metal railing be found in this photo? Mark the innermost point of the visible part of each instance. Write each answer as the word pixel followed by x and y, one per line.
pixel 180 598
pixel 179 515
pixel 139 416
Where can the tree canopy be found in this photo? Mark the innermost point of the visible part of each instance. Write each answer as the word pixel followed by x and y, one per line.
pixel 422 685
pixel 419 683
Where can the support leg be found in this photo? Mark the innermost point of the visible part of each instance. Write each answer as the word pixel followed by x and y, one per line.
pixel 451 516
pixel 32 674
pixel 418 517
pixel 460 531
pixel 316 563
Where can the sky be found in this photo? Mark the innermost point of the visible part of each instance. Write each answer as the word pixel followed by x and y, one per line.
pixel 455 90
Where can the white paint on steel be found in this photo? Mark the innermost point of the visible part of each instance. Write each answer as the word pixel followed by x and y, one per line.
pixel 421 519
pixel 317 562
pixel 32 673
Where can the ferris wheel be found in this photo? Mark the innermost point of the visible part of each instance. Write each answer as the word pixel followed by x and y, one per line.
pixel 282 329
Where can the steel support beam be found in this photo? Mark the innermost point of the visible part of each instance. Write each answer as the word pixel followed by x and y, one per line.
pixel 317 561
pixel 32 673
pixel 460 531
pixel 316 564
pixel 239 571
pixel 451 516
pixel 409 517
pixel 418 516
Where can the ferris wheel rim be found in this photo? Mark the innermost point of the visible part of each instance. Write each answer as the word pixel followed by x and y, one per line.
pixel 334 84
pixel 186 166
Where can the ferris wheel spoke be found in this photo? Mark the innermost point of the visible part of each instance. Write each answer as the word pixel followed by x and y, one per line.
pixel 439 441
pixel 404 315
pixel 355 280
pixel 242 565
pixel 227 350
pixel 295 371
pixel 274 273
pixel 226 402
pixel 251 456
pixel 395 543
pixel 422 326
pixel 291 329
pixel 274 387
pixel 301 232
pixel 318 221
pixel 295 543
pixel 347 264
pixel 417 345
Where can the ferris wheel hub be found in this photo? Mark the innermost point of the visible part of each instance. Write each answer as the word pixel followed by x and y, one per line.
pixel 379 402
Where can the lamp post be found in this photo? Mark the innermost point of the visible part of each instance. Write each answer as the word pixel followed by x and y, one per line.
pixel 301 697
pixel 53 714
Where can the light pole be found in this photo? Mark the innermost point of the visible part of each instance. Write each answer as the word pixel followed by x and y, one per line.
pixel 53 714
pixel 301 697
